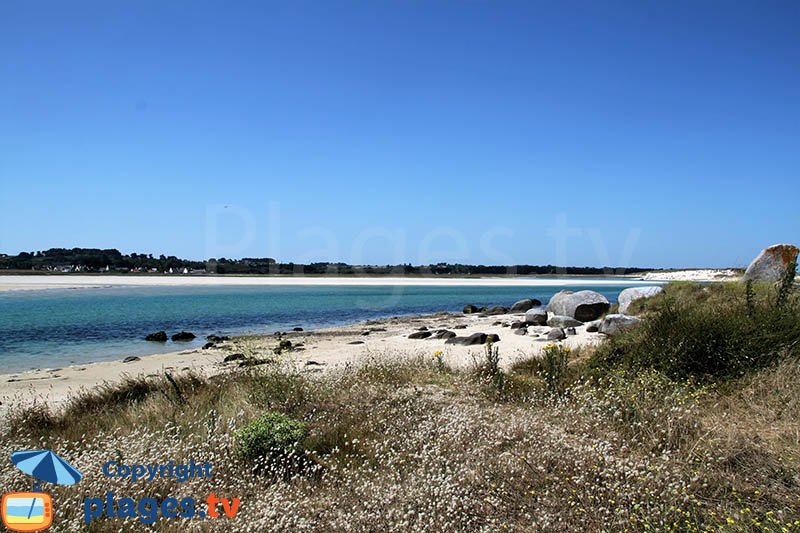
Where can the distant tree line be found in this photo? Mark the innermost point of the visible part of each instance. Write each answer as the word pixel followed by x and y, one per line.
pixel 102 260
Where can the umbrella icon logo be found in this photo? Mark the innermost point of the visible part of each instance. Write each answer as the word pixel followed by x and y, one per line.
pixel 33 511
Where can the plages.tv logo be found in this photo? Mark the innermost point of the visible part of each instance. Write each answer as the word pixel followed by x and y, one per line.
pixel 33 511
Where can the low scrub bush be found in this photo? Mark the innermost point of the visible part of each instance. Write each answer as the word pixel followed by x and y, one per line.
pixel 708 332
pixel 270 435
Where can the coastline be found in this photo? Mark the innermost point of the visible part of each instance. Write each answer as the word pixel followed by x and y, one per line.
pixel 19 282
pixel 319 350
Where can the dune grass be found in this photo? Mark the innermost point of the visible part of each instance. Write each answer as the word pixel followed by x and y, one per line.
pixel 612 439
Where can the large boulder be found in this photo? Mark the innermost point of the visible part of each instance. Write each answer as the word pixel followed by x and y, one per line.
pixel 628 296
pixel 617 323
pixel 523 305
pixel 771 263
pixel 561 321
pixel 536 317
pixel 183 336
pixel 581 305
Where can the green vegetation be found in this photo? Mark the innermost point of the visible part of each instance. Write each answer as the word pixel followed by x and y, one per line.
pixel 709 332
pixel 96 260
pixel 270 435
pixel 688 426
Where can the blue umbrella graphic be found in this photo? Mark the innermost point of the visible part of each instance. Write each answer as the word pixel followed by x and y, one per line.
pixel 45 465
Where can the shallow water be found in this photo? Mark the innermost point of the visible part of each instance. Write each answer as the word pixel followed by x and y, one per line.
pixel 59 327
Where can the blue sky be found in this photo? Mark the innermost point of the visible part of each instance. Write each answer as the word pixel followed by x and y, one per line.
pixel 659 134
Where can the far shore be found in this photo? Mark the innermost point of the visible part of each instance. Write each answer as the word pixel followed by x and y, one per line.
pixel 56 281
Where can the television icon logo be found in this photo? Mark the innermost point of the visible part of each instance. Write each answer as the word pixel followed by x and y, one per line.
pixel 27 511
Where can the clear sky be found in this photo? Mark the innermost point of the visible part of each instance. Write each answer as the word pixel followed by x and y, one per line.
pixel 647 133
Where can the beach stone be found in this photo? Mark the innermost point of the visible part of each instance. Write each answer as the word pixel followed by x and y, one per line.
pixel 517 325
pixel 570 331
pixel 297 329
pixel 233 357
pixel 420 335
pixel 617 323
pixel 460 326
pixel 521 331
pixel 208 345
pixel 218 338
pixel 496 310
pixel 444 334
pixel 159 336
pixel 593 326
pixel 561 321
pixel 183 336
pixel 523 305
pixel 475 338
pixel 423 328
pixel 536 317
pixel 492 337
pixel 131 359
pixel 356 342
pixel 469 308
pixel 581 305
pixel 365 333
pixel 630 295
pixel 771 263
pixel 556 334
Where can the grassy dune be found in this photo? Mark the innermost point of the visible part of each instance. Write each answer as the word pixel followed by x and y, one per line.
pixel 690 423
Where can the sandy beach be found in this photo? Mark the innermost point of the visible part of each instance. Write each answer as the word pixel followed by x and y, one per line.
pixel 316 351
pixel 39 282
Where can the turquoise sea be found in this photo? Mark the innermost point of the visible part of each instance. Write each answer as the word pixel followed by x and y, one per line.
pixel 58 327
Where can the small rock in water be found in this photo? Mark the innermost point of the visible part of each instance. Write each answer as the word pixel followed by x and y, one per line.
pixel 297 329
pixel 183 336
pixel 469 308
pixel 159 336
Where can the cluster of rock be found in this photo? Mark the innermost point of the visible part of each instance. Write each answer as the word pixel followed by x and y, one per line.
pixel 185 336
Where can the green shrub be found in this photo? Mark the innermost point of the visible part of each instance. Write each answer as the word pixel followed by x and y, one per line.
pixel 271 435
pixel 708 332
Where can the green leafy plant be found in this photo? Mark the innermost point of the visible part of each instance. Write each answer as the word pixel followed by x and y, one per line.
pixel 270 435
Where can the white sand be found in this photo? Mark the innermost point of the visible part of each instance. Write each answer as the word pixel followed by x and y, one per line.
pixel 23 282
pixel 327 348
pixel 693 275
